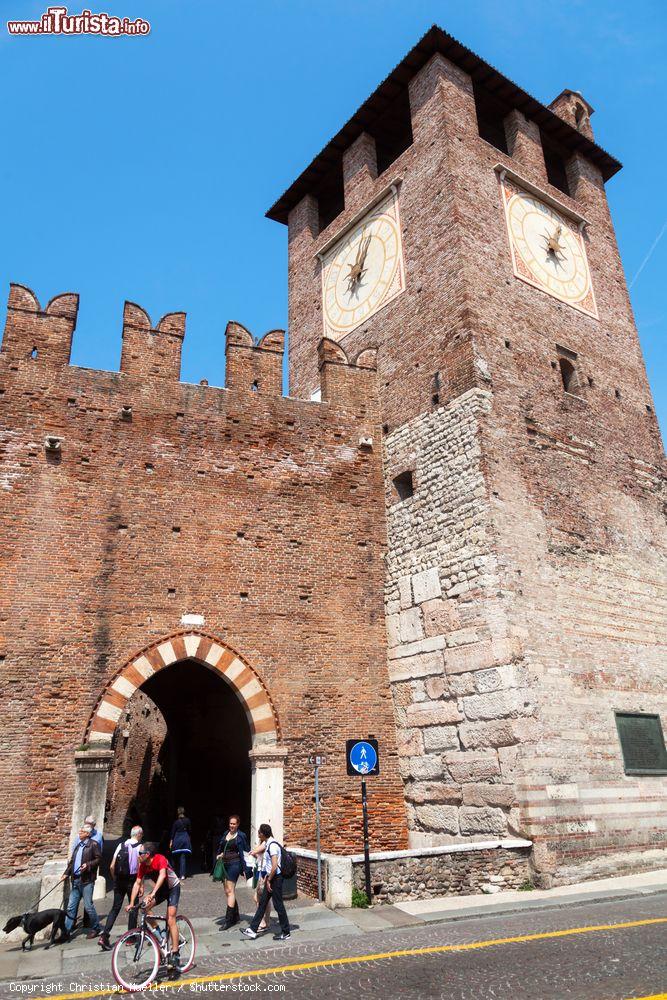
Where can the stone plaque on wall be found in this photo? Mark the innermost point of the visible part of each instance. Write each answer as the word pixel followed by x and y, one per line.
pixel 642 743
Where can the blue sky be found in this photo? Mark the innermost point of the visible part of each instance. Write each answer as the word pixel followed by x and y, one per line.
pixel 141 168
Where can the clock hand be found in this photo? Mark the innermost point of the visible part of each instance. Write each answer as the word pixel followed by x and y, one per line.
pixel 359 249
pixel 366 245
pixel 357 269
pixel 352 276
pixel 553 241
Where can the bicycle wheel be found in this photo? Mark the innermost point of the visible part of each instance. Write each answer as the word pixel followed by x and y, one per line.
pixel 187 943
pixel 135 960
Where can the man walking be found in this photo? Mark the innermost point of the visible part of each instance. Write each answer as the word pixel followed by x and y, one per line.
pixel 82 869
pixel 124 865
pixel 95 835
pixel 273 887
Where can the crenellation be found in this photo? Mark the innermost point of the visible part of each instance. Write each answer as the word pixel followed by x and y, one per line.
pixel 360 170
pixel 190 459
pixel 35 335
pixel 149 352
pixel 458 515
pixel 524 143
pixel 254 367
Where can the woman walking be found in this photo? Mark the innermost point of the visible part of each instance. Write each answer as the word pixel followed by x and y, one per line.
pixel 257 853
pixel 180 844
pixel 231 849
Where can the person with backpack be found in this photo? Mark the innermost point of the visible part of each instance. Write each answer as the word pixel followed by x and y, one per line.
pixel 180 844
pixel 124 865
pixel 277 863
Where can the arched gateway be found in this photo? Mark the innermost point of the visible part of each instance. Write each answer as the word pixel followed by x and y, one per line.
pixel 205 649
pixel 94 761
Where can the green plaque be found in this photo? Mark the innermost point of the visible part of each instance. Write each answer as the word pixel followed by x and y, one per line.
pixel 642 743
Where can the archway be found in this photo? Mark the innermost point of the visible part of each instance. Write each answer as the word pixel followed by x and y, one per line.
pixel 183 740
pixel 199 647
pixel 214 707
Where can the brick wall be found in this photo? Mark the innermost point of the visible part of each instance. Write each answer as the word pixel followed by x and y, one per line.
pixel 306 877
pixel 262 514
pixel 524 594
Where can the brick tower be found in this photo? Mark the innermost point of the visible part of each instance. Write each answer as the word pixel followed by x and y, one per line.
pixel 462 229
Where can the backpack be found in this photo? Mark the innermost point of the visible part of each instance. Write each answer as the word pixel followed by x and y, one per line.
pixel 122 865
pixel 288 863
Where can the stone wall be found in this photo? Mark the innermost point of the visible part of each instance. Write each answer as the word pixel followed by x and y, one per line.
pixel 460 689
pixel 445 873
pixel 136 768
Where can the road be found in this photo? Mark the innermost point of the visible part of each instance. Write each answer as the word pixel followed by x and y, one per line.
pixel 594 951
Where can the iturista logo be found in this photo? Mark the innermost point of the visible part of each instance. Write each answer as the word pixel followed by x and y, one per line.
pixel 57 21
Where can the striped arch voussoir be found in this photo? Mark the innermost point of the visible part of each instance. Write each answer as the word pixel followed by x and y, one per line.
pixel 204 648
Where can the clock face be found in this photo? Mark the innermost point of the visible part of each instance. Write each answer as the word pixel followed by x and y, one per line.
pixel 363 271
pixel 548 249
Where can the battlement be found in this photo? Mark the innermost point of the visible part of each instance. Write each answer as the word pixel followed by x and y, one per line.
pixel 148 351
pixel 350 382
pixel 43 337
pixel 36 333
pixel 257 367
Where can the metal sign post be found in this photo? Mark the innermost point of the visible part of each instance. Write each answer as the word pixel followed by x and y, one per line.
pixel 363 758
pixel 316 760
pixel 367 850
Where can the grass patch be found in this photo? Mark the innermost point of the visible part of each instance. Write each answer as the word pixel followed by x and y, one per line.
pixel 359 899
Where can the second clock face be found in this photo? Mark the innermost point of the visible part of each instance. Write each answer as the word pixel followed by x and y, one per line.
pixel 548 249
pixel 363 271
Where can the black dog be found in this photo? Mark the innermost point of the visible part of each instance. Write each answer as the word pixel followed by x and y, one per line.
pixel 33 922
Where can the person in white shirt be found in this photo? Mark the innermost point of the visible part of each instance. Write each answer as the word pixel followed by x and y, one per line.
pixel 95 835
pixel 273 886
pixel 124 865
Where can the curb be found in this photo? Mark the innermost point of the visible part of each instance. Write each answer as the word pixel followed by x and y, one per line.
pixel 541 904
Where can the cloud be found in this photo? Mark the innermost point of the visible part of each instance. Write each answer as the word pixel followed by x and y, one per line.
pixel 650 253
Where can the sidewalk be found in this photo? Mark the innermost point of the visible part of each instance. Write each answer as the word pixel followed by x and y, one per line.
pixel 312 921
pixel 511 901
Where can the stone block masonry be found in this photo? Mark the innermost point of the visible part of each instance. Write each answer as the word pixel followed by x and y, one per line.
pixel 485 865
pixel 460 871
pixel 459 683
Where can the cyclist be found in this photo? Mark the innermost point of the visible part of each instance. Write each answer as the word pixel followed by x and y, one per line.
pixel 167 886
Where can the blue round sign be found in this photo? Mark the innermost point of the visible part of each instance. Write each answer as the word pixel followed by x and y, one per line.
pixel 363 758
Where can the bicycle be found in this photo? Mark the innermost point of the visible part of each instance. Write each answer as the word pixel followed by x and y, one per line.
pixel 140 953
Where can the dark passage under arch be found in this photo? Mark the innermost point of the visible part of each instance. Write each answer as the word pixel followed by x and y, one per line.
pixel 182 741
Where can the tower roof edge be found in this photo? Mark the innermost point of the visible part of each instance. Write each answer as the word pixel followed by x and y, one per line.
pixel 437 41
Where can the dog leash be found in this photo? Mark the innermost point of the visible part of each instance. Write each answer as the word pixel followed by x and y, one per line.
pixel 48 893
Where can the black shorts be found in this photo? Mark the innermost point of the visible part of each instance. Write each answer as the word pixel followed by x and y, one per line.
pixel 171 895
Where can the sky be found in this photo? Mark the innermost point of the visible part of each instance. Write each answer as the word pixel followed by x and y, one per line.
pixel 141 168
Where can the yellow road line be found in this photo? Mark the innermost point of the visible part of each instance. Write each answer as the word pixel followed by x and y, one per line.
pixel 654 996
pixel 376 957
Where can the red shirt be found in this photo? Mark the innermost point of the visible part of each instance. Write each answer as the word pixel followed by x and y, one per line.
pixel 152 868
